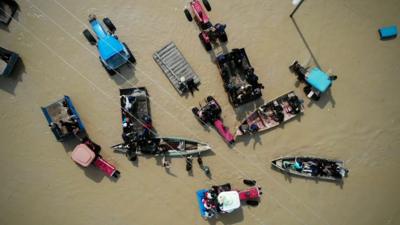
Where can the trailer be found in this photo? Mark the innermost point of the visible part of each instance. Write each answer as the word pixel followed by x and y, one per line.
pixel 176 68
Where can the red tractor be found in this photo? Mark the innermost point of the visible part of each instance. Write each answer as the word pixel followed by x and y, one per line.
pixel 209 33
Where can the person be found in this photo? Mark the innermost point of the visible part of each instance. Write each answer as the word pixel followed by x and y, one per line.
pixel 189 161
pixel 72 127
pixel 253 128
pixel 298 166
pixel 127 102
pixel 165 162
pixel 191 85
pixel 299 70
pixel 90 144
pixel 131 153
pixel 54 126
pixel 200 161
pixel 332 77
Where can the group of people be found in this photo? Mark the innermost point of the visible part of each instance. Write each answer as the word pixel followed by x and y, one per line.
pixel 70 124
pixel 242 92
pixel 316 168
pixel 210 112
pixel 210 200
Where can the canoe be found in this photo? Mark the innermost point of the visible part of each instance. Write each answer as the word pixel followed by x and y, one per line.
pixel 271 114
pixel 168 146
pixel 135 112
pixel 312 167
pixel 240 81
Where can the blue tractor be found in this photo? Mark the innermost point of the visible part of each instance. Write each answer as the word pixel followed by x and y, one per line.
pixel 113 53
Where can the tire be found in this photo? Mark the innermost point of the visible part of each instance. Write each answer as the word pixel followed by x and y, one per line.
pixel 206 45
pixel 223 38
pixel 110 72
pixel 131 57
pixel 109 25
pixel 89 37
pixel 252 202
pixel 188 15
pixel 207 5
pixel 195 111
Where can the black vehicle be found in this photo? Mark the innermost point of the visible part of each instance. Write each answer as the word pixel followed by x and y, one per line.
pixel 240 81
pixel 10 60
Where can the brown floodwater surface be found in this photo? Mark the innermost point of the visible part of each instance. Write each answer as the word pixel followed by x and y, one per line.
pixel 358 121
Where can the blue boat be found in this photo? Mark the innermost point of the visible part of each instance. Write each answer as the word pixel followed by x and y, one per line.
pixel 10 62
pixel 200 196
pixel 62 109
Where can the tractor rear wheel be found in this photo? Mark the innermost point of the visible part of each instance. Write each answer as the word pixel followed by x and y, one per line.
pixel 188 15
pixel 89 37
pixel 109 25
pixel 131 57
pixel 207 5
pixel 223 37
pixel 110 72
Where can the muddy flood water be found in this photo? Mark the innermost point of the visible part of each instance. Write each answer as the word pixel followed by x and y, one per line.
pixel 358 121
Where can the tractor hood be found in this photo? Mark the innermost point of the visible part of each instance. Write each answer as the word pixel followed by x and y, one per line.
pixel 109 46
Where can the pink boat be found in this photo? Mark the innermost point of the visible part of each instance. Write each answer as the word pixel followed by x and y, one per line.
pixel 85 156
pixel 211 114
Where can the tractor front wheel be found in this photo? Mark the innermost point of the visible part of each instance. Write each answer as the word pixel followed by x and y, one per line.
pixel 109 25
pixel 207 5
pixel 188 15
pixel 89 37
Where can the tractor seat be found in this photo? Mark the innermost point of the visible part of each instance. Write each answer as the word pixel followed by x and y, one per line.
pixel 318 79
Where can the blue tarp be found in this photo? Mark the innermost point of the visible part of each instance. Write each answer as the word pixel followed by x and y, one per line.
pixel 388 32
pixel 318 80
pixel 200 196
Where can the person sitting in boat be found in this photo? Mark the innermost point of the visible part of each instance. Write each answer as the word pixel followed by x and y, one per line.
pixel 298 166
pixel 253 128
pixel 127 102
pixel 295 105
pixel 147 122
pixel 72 126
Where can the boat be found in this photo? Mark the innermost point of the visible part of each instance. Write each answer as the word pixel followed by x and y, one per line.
pixel 222 199
pixel 164 146
pixel 8 8
pixel 62 110
pixel 240 81
pixel 9 61
pixel 136 114
pixel 312 167
pixel 272 114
